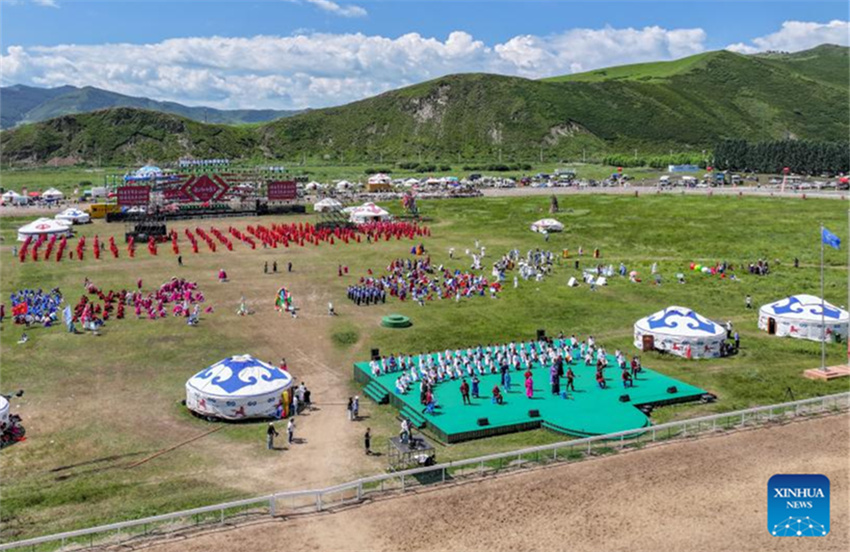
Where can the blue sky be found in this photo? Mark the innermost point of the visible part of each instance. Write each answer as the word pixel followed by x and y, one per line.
pixel 324 52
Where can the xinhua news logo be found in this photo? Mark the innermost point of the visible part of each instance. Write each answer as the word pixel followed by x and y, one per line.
pixel 798 505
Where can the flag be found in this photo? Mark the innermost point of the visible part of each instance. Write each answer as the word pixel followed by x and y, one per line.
pixel 830 239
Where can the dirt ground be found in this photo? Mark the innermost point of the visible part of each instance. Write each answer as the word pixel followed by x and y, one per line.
pixel 707 494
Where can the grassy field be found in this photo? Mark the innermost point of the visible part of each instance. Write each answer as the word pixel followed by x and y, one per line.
pixel 95 406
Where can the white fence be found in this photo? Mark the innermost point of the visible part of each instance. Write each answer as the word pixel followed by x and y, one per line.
pixel 288 503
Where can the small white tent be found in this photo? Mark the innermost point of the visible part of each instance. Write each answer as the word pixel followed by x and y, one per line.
pixel 14 198
pixel 547 225
pixel 327 204
pixel 379 178
pixel 52 194
pixel 411 182
pixel 804 317
pixel 680 331
pixel 4 411
pixel 368 212
pixel 313 186
pixel 74 216
pixel 236 388
pixel 344 185
pixel 43 227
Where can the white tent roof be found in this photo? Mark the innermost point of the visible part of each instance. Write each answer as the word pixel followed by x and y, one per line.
pixel 805 308
pixel 411 182
pixel 239 376
pixel 4 410
pixel 73 215
pixel 327 204
pixel 547 224
pixel 680 322
pixel 148 171
pixel 313 186
pixel 344 185
pixel 42 226
pixel 10 194
pixel 379 178
pixel 52 193
pixel 370 209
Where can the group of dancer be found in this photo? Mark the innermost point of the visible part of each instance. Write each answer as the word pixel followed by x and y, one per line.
pixel 35 306
pixel 557 355
pixel 367 294
pixel 418 280
pixel 535 264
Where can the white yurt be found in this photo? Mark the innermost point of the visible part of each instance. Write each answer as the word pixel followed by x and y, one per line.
pixel 43 227
pixel 52 194
pixel 411 182
pixel 4 410
pixel 313 186
pixel 379 178
pixel 237 388
pixel 74 216
pixel 14 198
pixel 680 331
pixel 344 185
pixel 368 212
pixel 547 225
pixel 327 204
pixel 148 172
pixel 804 317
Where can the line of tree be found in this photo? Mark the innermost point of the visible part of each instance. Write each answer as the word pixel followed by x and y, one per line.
pixel 799 156
pixel 654 161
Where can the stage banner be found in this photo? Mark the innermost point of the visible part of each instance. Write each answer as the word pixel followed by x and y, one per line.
pixel 281 190
pixel 134 195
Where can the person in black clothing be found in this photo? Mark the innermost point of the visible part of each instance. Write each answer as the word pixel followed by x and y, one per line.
pixel 289 266
pixel 274 267
pixel 367 441
pixel 179 260
pixel 266 268
pixel 271 433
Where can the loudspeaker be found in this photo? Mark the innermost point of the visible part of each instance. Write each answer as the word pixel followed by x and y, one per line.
pixel 672 389
pixel 483 421
pixel 541 335
pixel 533 413
pixel 625 398
pixel 376 354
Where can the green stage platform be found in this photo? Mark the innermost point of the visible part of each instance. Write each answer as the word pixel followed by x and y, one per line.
pixel 587 411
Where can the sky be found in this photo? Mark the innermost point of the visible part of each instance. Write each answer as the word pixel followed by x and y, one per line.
pixel 295 54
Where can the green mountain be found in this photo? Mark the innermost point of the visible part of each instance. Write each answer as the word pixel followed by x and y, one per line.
pixel 683 105
pixel 21 104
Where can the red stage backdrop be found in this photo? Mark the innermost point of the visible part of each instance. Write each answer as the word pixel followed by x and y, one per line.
pixel 281 190
pixel 205 188
pixel 134 195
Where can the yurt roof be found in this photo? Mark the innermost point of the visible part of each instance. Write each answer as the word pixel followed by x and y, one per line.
pixel 240 376
pixel 679 321
pixel 807 308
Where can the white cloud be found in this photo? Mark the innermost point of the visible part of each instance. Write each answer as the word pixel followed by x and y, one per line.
pixel 316 70
pixel 797 35
pixel 46 3
pixel 337 9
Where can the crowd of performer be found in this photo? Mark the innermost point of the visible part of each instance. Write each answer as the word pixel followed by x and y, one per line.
pixel 35 306
pixel 535 264
pixel 418 280
pixel 555 357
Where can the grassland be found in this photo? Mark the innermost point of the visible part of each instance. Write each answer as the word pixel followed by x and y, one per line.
pixel 94 406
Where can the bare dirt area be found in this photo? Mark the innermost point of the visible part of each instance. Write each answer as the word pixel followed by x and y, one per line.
pixel 706 494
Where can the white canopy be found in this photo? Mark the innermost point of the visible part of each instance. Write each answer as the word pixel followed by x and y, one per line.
pixel 410 182
pixel 4 410
pixel 237 387
pixel 43 227
pixel 313 186
pixel 327 204
pixel 547 225
pixel 148 171
pixel 52 194
pixel 804 317
pixel 368 212
pixel 14 198
pixel 74 216
pixel 343 185
pixel 379 178
pixel 681 331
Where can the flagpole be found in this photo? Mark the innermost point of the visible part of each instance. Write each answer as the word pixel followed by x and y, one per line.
pixel 822 308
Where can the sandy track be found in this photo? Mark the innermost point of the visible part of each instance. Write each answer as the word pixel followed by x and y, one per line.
pixel 708 494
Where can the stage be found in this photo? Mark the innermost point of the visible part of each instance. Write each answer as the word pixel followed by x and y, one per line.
pixel 587 411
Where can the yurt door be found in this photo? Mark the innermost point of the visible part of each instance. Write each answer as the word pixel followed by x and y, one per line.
pixel 648 342
pixel 771 326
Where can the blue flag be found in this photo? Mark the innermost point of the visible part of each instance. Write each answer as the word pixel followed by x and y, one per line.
pixel 831 239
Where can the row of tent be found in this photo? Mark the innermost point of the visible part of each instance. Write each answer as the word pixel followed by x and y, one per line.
pixel 58 226
pixel 683 332
pixel 12 197
pixel 368 212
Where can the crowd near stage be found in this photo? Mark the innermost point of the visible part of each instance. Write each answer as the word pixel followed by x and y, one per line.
pixel 589 410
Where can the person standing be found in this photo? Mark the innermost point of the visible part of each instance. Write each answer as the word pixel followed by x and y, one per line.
pixel 179 260
pixel 290 430
pixel 749 302
pixel 475 383
pixel 295 404
pixel 464 392
pixel 355 408
pixel 737 340
pixel 571 376
pixel 266 267
pixel 289 266
pixel 367 441
pixel 271 433
pixel 274 267
pixel 529 387
pixel 350 409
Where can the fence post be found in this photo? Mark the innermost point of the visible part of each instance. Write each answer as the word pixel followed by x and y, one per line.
pixel 402 482
pixel 222 516
pixel 360 491
pixel 272 506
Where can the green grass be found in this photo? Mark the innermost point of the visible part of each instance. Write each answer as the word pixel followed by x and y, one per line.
pixel 115 398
